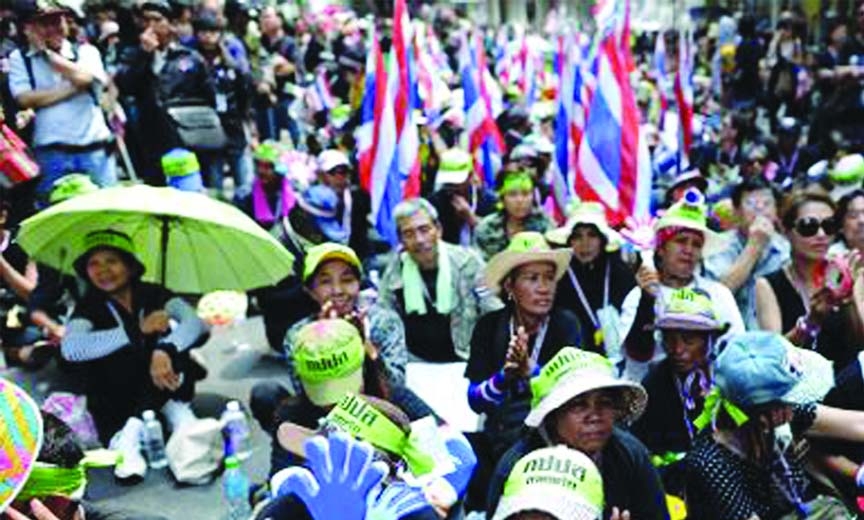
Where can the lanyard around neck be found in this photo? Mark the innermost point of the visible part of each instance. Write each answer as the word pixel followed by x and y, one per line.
pixel 538 340
pixel 582 298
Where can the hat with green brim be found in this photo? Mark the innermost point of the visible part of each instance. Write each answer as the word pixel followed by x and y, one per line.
pixel 328 358
pixel 269 152
pixel 111 239
pixel 527 247
pixel 182 170
pixel 558 481
pixel 847 175
pixel 318 255
pixel 454 167
pixel 586 214
pixel 573 372
pixel 70 186
pixel 688 309
pixel 691 212
pixel 21 433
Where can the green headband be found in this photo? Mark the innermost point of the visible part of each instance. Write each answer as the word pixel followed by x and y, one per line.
pixel 713 402
pixel 327 350
pixel 180 163
pixel 48 480
pixel 109 238
pixel 566 361
pixel 362 420
pixel 520 181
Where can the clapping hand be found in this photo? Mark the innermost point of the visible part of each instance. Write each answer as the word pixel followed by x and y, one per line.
pixel 517 363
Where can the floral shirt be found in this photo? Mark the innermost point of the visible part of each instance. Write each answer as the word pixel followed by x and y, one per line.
pixel 490 235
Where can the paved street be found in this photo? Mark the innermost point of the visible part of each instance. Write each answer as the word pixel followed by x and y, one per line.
pixel 232 373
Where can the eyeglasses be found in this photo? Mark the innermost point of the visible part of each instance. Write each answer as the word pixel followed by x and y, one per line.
pixel 808 227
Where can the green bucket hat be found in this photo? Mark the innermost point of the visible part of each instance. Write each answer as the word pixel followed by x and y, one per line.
pixel 70 186
pixel 111 239
pixel 180 163
pixel 559 481
pixel 847 175
pixel 269 152
pixel 691 212
pixel 321 253
pixel 525 248
pixel 328 358
pixel 573 372
pixel 454 168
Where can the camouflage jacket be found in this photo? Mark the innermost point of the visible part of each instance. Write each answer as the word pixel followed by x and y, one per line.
pixel 386 332
pixel 471 297
pixel 490 235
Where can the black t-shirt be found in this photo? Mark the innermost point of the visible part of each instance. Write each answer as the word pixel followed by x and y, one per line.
pixel 428 336
pixel 17 259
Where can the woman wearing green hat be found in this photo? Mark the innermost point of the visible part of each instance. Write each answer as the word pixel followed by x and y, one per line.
pixel 272 195
pixel 517 213
pixel 133 358
pixel 577 402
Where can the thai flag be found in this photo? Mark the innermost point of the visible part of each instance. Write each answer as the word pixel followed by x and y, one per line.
pixel 684 91
pixel 322 89
pixel 614 167
pixel 660 75
pixel 371 110
pixel 570 117
pixel 432 89
pixel 485 142
pixel 405 103
pixel 385 180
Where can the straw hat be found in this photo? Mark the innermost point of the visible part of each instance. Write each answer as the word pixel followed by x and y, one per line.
pixel 573 372
pixel 559 481
pixel 525 248
pixel 586 213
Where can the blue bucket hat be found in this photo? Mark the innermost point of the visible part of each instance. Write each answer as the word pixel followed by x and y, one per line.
pixel 754 368
pixel 321 203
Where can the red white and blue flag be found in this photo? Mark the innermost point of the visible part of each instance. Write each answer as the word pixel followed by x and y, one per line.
pixel 570 116
pixel 485 142
pixel 614 167
pixel 660 76
pixel 684 91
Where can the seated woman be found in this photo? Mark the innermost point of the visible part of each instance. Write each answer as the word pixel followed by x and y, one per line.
pixel 508 344
pixel 739 466
pixel 133 358
pixel 796 300
pixel 518 212
pixel 597 280
pixel 577 402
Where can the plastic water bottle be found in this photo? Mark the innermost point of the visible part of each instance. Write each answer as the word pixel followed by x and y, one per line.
pixel 154 441
pixel 236 430
pixel 235 490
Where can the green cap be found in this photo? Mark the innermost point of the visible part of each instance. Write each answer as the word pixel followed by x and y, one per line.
pixel 455 167
pixel 516 181
pixel 849 169
pixel 180 162
pixel 321 253
pixel 70 186
pixel 559 481
pixel 358 417
pixel 328 358
pixel 268 151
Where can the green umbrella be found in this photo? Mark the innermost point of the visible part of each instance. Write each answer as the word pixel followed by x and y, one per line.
pixel 187 242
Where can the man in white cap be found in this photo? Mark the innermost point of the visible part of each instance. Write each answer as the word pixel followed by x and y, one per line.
pixel 334 171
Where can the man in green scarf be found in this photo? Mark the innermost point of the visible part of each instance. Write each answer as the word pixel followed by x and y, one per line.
pixel 437 288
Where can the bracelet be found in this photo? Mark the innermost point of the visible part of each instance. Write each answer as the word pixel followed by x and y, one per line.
pixel 807 327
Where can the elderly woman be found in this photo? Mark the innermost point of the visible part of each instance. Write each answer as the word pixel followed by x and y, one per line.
pixel 597 279
pixel 134 358
pixel 518 213
pixel 803 300
pixel 576 402
pixel 739 466
pixel 509 344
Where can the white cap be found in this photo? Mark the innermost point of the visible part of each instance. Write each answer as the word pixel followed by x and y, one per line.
pixel 330 159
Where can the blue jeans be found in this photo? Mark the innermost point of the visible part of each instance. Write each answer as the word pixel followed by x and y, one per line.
pixel 272 120
pixel 239 166
pixel 98 164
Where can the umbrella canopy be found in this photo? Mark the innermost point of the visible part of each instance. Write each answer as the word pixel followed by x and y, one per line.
pixel 187 242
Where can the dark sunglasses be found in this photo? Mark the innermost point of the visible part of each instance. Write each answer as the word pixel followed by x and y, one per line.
pixel 808 227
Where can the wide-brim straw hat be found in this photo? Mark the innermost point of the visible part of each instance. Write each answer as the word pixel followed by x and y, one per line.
pixel 526 247
pixel 582 214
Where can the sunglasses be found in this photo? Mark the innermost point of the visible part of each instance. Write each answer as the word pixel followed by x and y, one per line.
pixel 808 227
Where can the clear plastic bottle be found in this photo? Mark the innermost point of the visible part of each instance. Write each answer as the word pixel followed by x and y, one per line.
pixel 154 441
pixel 235 490
pixel 237 432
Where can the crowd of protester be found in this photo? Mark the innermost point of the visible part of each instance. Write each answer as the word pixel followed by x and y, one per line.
pixel 715 372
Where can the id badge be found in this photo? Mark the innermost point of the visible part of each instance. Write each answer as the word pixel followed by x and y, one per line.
pixel 221 103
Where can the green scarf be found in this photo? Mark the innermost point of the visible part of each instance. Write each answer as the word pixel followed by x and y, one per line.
pixel 413 285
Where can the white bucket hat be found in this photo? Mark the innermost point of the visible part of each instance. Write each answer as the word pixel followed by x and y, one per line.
pixel 573 372
pixel 525 248
pixel 559 481
pixel 586 213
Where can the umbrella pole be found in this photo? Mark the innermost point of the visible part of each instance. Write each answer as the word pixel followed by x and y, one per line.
pixel 164 255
